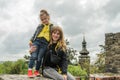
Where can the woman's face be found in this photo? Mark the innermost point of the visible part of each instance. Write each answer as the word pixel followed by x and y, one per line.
pixel 55 36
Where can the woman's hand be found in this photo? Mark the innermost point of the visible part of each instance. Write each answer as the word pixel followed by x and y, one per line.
pixel 65 77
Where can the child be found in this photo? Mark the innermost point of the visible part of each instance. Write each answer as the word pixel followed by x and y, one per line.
pixel 39 42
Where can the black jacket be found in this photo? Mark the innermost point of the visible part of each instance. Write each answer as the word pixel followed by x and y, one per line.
pixel 63 62
pixel 38 30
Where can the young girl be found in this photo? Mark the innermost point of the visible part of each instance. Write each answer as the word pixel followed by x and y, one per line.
pixel 57 46
pixel 38 43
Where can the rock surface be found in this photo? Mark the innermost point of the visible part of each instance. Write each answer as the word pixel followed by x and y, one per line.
pixel 20 77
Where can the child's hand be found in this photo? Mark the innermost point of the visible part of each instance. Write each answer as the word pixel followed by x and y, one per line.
pixel 30 43
pixel 32 49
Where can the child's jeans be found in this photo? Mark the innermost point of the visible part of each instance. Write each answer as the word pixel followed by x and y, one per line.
pixel 41 46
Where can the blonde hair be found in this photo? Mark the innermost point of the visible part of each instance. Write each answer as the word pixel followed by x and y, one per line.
pixel 61 42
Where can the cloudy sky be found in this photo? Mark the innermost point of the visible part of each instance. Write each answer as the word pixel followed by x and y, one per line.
pixel 19 19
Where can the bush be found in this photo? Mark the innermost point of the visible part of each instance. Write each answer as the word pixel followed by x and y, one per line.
pixel 18 67
pixel 76 70
pixel 5 67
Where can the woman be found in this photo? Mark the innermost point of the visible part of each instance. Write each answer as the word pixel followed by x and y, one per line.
pixel 57 68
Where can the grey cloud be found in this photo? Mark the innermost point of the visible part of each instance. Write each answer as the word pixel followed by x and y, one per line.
pixel 4 15
pixel 4 8
pixel 112 30
pixel 112 8
pixel 16 42
pixel 3 3
pixel 7 3
pixel 2 33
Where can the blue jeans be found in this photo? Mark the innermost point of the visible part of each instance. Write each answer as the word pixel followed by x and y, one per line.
pixel 41 45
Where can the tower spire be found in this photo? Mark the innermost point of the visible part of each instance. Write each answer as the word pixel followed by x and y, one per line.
pixel 84 50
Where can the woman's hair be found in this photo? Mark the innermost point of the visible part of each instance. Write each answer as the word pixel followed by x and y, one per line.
pixel 61 42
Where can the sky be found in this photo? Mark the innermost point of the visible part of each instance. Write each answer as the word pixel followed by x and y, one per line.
pixel 94 18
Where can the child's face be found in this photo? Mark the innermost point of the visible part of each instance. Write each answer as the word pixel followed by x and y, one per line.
pixel 56 35
pixel 44 19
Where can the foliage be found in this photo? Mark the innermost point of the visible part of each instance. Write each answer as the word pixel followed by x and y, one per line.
pixel 27 57
pixel 93 69
pixel 9 67
pixel 19 67
pixel 99 65
pixel 76 70
pixel 85 64
pixel 70 53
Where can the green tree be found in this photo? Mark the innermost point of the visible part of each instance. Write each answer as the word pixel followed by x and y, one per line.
pixel 26 57
pixel 70 52
pixel 99 65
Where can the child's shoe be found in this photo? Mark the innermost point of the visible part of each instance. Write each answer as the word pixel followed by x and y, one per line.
pixel 36 73
pixel 30 75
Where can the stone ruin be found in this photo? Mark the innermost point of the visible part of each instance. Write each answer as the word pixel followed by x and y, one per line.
pixel 112 49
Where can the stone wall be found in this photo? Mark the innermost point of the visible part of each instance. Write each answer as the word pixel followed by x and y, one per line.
pixel 112 44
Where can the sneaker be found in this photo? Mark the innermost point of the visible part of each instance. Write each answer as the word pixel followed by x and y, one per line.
pixel 30 75
pixel 36 73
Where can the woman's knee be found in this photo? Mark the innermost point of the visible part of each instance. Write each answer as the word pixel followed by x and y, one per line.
pixel 70 77
pixel 51 73
pixel 60 78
